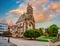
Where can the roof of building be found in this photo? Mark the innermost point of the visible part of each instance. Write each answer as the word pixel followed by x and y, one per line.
pixel 21 18
pixel 25 17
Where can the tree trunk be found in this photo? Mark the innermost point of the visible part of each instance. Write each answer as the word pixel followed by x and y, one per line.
pixel 34 38
pixel 31 38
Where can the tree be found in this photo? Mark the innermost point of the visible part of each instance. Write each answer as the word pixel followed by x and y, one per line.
pixel 41 31
pixel 31 34
pixel 53 30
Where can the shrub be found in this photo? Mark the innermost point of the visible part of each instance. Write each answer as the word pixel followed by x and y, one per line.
pixel 31 34
pixel 7 34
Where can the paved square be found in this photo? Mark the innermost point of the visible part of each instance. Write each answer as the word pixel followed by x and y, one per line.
pixel 4 42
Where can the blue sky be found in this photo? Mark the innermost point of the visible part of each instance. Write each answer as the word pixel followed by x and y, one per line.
pixel 7 7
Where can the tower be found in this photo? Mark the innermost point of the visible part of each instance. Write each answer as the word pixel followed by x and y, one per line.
pixel 29 10
pixel 31 17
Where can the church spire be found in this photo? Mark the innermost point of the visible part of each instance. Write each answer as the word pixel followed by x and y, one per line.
pixel 29 9
pixel 28 1
pixel 29 4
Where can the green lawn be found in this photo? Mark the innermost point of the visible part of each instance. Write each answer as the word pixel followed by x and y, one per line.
pixel 46 38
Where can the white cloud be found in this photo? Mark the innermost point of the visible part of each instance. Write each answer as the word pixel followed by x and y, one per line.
pixel 41 13
pixel 17 2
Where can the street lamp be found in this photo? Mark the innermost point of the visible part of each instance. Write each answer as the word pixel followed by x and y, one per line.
pixel 9 27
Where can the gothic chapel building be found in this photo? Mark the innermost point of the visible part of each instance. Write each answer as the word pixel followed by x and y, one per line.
pixel 25 22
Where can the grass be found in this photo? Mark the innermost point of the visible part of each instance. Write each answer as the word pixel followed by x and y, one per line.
pixel 46 38
pixel 43 40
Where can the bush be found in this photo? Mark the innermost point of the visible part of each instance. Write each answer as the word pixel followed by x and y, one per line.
pixel 54 40
pixel 7 34
pixel 31 34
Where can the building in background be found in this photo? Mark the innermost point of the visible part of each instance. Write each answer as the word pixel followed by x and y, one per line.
pixel 3 27
pixel 25 22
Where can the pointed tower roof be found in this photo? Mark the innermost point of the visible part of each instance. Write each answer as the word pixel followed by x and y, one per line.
pixel 29 6
pixel 21 18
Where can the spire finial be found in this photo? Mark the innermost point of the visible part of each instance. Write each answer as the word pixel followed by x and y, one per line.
pixel 28 2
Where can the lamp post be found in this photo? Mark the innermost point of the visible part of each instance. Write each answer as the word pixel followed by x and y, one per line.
pixel 8 35
pixel 9 27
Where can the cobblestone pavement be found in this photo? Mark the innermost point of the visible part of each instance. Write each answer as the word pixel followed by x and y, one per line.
pixel 4 42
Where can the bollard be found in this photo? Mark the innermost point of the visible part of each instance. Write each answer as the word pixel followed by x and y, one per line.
pixel 8 39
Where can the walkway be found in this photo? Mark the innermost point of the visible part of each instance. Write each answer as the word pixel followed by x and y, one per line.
pixel 4 42
pixel 22 42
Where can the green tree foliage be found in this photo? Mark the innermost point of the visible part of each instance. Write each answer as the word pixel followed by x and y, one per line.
pixel 53 30
pixel 41 31
pixel 32 34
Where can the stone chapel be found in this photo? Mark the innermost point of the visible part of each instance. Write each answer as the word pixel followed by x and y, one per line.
pixel 25 22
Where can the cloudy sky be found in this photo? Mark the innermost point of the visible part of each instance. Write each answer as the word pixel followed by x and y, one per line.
pixel 46 12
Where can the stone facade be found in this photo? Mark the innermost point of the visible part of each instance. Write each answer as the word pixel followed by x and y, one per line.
pixel 25 22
